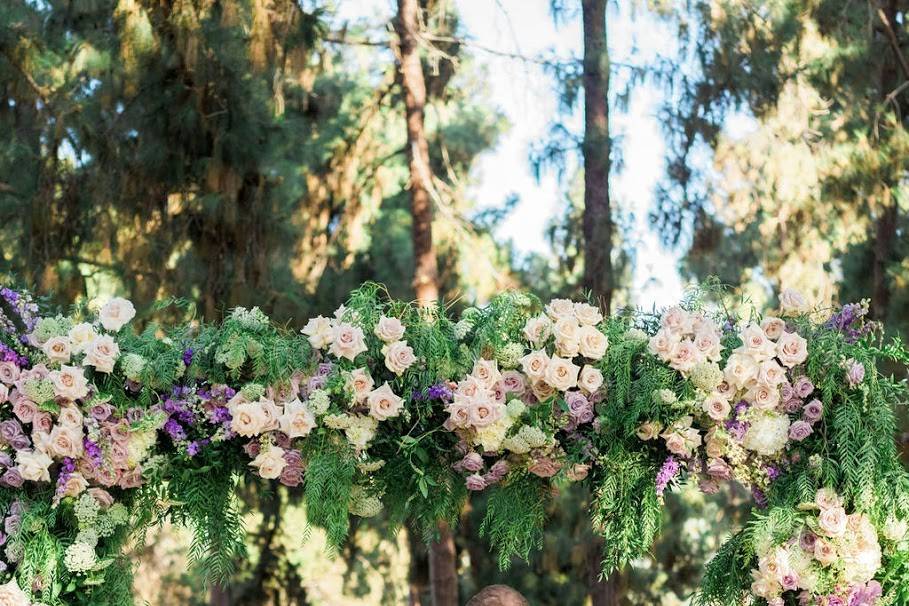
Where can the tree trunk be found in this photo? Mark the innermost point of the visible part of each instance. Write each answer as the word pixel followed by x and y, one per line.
pixel 885 226
pixel 443 576
pixel 426 272
pixel 597 223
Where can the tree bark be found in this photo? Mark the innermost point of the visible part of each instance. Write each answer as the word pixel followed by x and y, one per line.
pixel 597 221
pixel 443 573
pixel 426 272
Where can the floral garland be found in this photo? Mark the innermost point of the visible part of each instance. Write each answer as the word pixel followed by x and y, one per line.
pixel 390 406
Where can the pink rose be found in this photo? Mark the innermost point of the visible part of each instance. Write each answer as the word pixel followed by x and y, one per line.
pixel 475 482
pixel 544 467
pixel 24 409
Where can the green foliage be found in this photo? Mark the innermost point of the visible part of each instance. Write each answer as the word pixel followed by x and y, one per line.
pixel 329 477
pixel 515 516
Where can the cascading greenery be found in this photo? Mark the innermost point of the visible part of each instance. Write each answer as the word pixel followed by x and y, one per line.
pixel 411 463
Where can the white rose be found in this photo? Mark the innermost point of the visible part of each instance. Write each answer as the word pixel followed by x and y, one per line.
pixel 360 383
pixel 81 335
pixel 58 349
pixel 561 374
pixel 677 320
pixel 792 302
pixel 270 463
pixel 65 442
pixel 707 340
pixel 486 372
pixel 756 343
pixel 560 308
pixel 248 420
pixel 537 330
pixel 69 382
pixel 791 349
pixel 115 314
pixel 319 330
pixel 11 595
pixel 590 379
pixel 587 315
pixel 591 342
pixel 33 466
pixel 534 364
pixel 399 357
pixel 389 329
pixel 383 403
pixel 102 353
pixel 297 420
pixel 347 341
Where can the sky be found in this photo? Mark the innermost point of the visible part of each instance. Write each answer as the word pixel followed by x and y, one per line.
pixel 528 98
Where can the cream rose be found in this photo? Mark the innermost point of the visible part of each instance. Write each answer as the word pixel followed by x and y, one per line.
pixel 58 349
pixel 826 498
pixel 297 420
pixel 741 370
pixel 12 595
pixel 542 390
pixel 537 330
pixel 248 419
pixel 383 403
pixel 662 343
pixel 360 383
pixel 763 396
pixel 534 364
pixel 270 463
pixel 684 356
pixel 389 329
pixel 792 302
pixel 716 407
pixel 399 357
pixel 271 412
pixel 33 466
pixel 771 373
pixel 560 308
pixel 566 332
pixel 347 341
pixel 773 327
pixel 649 430
pixel 756 343
pixel 102 353
pixel 590 379
pixel 116 313
pixel 482 413
pixel 832 521
pixel 70 416
pixel 65 442
pixel 587 315
pixel 677 320
pixel 319 331
pixel 561 374
pixel 486 372
pixel 791 349
pixel 69 382
pixel 591 342
pixel 708 343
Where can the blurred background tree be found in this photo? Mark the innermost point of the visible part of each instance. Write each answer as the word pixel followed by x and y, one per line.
pixel 261 152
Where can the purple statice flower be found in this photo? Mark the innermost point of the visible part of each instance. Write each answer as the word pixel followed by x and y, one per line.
pixel 849 321
pixel 195 447
pixel 737 429
pixel 220 415
pixel 668 471
pixel 66 470
pixel 760 499
pixel 739 409
pixel 416 395
pixel 92 451
pixel 188 356
pixel 439 391
pixel 175 430
pixel 773 472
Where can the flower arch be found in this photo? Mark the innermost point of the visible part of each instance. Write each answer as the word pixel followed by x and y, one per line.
pixel 390 406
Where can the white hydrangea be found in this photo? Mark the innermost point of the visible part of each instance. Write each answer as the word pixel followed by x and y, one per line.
pixel 534 436
pixel 706 376
pixel 767 434
pixel 318 402
pixel 133 365
pixel 363 504
pixel 516 445
pixel 510 355
pixel 515 408
pixel 80 557
pixel 340 421
pixel 490 438
pixel 462 329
